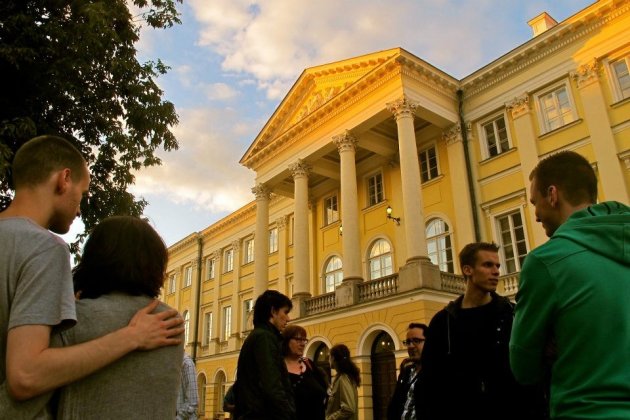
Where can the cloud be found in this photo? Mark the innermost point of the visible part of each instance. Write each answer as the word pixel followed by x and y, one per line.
pixel 219 91
pixel 204 172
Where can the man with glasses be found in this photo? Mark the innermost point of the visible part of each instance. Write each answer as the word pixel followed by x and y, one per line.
pixel 406 398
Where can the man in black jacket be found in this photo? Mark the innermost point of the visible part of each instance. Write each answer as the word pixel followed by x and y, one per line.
pixel 465 362
pixel 263 389
pixel 406 396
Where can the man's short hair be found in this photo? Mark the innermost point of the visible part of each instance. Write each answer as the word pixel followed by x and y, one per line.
pixel 571 173
pixel 270 299
pixel 468 255
pixel 420 325
pixel 39 157
pixel 123 254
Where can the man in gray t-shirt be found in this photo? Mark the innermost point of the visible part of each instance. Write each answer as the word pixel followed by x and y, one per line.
pixel 51 178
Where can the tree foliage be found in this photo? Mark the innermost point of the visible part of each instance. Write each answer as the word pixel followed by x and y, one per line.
pixel 69 67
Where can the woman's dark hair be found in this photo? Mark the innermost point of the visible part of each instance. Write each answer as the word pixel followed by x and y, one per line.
pixel 270 299
pixel 291 331
pixel 344 364
pixel 123 254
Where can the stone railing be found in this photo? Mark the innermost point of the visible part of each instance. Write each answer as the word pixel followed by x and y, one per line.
pixel 376 289
pixel 320 303
pixel 453 283
pixel 510 284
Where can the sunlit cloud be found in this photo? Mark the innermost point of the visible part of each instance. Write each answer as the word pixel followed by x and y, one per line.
pixel 219 91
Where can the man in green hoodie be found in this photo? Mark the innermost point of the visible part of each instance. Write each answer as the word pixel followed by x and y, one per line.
pixel 572 317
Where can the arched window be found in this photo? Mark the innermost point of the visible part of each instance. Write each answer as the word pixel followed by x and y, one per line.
pixel 186 326
pixel 201 383
pixel 439 244
pixel 380 259
pixel 333 274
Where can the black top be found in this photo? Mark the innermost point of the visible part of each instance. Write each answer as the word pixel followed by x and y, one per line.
pixel 310 394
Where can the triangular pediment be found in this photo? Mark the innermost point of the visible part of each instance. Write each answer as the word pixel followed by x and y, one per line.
pixel 315 87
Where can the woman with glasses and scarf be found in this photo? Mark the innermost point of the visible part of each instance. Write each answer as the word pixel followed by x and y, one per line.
pixel 308 381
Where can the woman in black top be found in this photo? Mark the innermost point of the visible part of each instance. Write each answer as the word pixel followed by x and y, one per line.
pixel 308 382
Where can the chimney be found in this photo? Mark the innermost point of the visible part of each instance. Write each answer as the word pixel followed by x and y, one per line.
pixel 542 23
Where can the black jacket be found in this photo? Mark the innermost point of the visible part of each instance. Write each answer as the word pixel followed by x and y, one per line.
pixel 397 403
pixel 465 366
pixel 263 389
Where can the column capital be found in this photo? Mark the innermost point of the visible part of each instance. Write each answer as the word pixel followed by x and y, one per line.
pixel 402 107
pixel 216 255
pixel 345 141
pixel 453 134
pixel 235 245
pixel 261 191
pixel 587 73
pixel 281 222
pixel 299 168
pixel 518 106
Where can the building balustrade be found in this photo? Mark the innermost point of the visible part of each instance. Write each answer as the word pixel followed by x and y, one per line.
pixel 320 303
pixel 378 288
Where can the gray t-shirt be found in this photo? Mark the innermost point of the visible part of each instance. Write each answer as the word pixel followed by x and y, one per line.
pixel 35 289
pixel 141 385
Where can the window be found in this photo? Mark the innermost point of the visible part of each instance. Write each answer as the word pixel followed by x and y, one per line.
pixel 439 245
pixel 186 316
pixel 556 108
pixel 273 240
pixel 210 264
pixel 621 77
pixel 495 134
pixel 333 274
pixel 248 307
pixel 249 251
pixel 375 189
pixel 207 328
pixel 380 259
pixel 188 277
pixel 512 241
pixel 228 260
pixel 291 228
pixel 428 164
pixel 331 210
pixel 172 283
pixel 227 323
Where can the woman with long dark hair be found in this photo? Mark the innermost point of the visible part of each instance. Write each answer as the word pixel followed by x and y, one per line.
pixel 343 395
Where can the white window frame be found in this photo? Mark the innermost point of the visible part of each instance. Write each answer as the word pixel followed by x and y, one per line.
pixel 368 189
pixel 188 276
pixel 211 266
pixel 485 151
pixel 384 270
pixel 444 265
pixel 228 260
pixel 424 153
pixel 618 94
pixel 331 215
pixel 545 126
pixel 172 283
pixel 514 243
pixel 226 323
pixel 186 316
pixel 273 240
pixel 248 247
pixel 248 307
pixel 335 275
pixel 207 328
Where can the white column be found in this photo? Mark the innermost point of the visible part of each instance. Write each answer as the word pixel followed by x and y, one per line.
pixel 528 152
pixel 261 240
pixel 609 166
pixel 300 171
pixel 213 346
pixel 236 287
pixel 346 144
pixel 413 211
pixel 281 225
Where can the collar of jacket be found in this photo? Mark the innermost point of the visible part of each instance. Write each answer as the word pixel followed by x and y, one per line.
pixel 269 327
pixel 499 304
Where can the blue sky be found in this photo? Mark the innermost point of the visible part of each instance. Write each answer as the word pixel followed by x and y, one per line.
pixel 232 62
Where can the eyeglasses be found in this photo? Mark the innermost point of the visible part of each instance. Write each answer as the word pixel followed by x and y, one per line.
pixel 412 341
pixel 300 339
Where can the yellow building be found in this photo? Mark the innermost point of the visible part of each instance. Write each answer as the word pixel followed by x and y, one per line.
pixel 374 171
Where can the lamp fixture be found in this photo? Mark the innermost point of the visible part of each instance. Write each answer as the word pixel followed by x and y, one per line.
pixel 389 215
pixel 340 230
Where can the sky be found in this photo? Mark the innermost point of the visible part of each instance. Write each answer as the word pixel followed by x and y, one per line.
pixel 233 61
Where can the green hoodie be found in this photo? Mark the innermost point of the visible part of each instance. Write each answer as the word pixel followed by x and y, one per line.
pixel 574 291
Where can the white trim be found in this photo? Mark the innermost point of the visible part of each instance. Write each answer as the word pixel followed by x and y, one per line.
pixel 497 239
pixel 365 341
pixel 613 81
pixel 430 145
pixel 543 124
pixel 366 180
pixel 483 141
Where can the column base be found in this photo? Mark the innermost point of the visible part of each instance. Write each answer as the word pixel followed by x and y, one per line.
pixel 347 293
pixel 299 305
pixel 419 273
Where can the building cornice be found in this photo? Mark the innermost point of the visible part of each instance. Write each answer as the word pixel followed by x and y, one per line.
pixel 184 243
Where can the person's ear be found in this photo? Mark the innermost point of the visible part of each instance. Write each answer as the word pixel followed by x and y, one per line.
pixel 552 195
pixel 467 270
pixel 62 180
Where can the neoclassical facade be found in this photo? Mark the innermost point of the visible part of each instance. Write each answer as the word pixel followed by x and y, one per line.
pixel 375 171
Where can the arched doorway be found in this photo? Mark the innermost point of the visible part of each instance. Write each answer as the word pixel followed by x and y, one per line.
pixel 321 358
pixel 383 374
pixel 201 387
pixel 219 393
